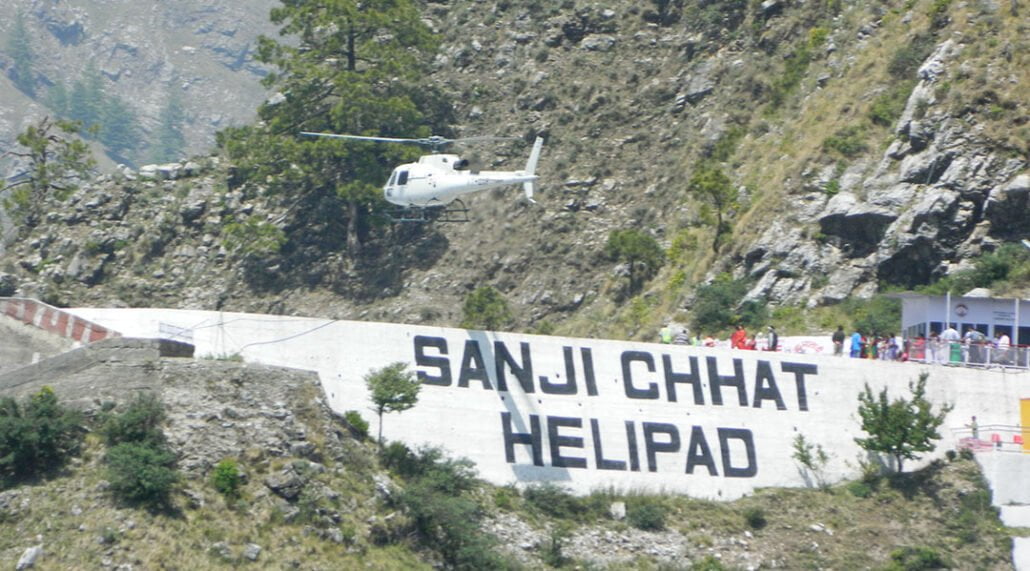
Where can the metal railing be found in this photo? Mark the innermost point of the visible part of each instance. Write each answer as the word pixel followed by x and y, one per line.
pixel 970 354
pixel 993 438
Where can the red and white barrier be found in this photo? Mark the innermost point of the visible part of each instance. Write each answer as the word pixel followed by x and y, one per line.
pixel 53 320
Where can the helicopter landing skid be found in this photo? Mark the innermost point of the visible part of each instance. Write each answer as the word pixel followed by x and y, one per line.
pixel 456 211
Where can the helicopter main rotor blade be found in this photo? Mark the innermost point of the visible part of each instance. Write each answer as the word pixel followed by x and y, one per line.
pixel 361 138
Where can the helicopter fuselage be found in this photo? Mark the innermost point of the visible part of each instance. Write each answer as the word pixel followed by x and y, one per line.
pixel 439 179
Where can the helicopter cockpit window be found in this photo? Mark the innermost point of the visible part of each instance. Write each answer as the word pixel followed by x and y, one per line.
pixel 402 178
pixel 393 178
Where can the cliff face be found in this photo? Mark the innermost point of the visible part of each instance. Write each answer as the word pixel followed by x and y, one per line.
pixel 868 143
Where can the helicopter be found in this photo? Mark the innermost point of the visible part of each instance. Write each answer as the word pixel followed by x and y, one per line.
pixel 430 189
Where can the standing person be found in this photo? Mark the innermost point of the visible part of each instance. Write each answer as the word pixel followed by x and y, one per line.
pixel 950 339
pixel 697 340
pixel 856 345
pixel 774 339
pixel 665 334
pixel 934 344
pixel 838 341
pixel 681 337
pixel 974 428
pixel 1003 343
pixel 739 337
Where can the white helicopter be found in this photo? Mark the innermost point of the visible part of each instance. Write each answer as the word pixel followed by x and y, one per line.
pixel 430 188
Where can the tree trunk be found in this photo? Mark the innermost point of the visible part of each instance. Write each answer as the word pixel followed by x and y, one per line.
pixel 353 243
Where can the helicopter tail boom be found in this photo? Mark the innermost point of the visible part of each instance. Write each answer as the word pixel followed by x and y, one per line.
pixel 534 156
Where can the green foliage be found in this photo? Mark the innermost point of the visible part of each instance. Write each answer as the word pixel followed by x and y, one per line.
pixel 915 559
pixel 906 61
pixel 860 489
pixel 107 118
pixel 167 142
pixel 139 422
pixel 57 161
pixel 878 314
pixel 19 49
pixel 36 436
pixel 140 466
pixel 901 428
pixel 646 513
pixel 393 389
pixel 1009 264
pixel 711 185
pixel 357 424
pixel 939 14
pixel 444 516
pixel 227 479
pixel 847 142
pixel 343 67
pixel 755 517
pixel 811 456
pixel 142 473
pixel 553 551
pixel 486 308
pixel 795 66
pixel 717 306
pixel 888 106
pixel 639 251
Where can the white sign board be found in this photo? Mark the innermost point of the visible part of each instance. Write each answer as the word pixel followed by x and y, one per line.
pixel 591 414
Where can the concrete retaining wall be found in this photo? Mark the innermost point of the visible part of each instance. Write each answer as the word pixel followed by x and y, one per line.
pixel 587 413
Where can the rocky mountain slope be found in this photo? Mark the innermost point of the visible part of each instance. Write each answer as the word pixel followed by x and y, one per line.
pixel 146 52
pixel 871 144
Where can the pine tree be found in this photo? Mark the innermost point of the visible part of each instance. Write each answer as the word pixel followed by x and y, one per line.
pixel 19 47
pixel 57 160
pixel 168 141
pixel 349 67
pixel 118 129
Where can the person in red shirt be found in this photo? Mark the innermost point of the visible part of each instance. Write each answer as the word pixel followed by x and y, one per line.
pixel 737 340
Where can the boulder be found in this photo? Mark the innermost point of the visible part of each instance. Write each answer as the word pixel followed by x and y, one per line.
pixel 1008 206
pixel 860 225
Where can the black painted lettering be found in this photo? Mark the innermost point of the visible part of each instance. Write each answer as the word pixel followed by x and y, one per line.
pixel 699 454
pixel 735 380
pixel 533 439
pixel 745 436
pixel 631 441
pixel 628 357
pixel 557 441
pixel 588 371
pixel 602 462
pixel 653 446
pixel 569 386
pixel 504 361
pixel 443 364
pixel 473 368
pixel 800 370
pixel 765 386
pixel 693 377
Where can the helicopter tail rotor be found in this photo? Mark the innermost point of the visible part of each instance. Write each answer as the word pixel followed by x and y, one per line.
pixel 534 156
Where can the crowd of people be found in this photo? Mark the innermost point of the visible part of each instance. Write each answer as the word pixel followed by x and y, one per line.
pixel 949 346
pixel 678 335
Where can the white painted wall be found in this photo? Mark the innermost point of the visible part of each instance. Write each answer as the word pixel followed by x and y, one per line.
pixel 467 420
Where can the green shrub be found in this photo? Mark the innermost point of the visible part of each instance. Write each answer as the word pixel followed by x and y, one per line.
pixel 888 106
pixel 486 308
pixel 707 563
pixel 846 142
pixel 639 250
pixel 755 517
pixel 554 501
pixel 717 306
pixel 140 422
pixel 227 478
pixel 647 514
pixel 358 425
pixel 37 436
pixel 906 61
pixel 916 559
pixel 142 473
pixel 860 489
